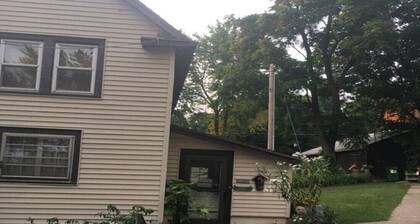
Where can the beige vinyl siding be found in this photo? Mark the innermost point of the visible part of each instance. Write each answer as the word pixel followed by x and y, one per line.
pixel 251 205
pixel 124 134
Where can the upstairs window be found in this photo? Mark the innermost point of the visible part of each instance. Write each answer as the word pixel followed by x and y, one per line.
pixel 75 69
pixel 38 156
pixel 20 65
pixel 51 65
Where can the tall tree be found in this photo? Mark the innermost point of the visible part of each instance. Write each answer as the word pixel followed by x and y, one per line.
pixel 214 63
pixel 228 81
pixel 390 74
pixel 329 35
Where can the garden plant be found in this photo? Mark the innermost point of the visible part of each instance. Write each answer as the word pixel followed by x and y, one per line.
pixel 301 185
pixel 112 215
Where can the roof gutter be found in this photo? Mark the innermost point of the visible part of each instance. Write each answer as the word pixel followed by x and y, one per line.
pixel 184 52
pixel 155 42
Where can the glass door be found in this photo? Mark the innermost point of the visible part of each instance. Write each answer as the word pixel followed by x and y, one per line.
pixel 211 175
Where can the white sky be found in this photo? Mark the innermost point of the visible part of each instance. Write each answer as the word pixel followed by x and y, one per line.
pixel 194 16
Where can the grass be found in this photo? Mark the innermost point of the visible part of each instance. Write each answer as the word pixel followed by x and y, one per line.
pixel 364 203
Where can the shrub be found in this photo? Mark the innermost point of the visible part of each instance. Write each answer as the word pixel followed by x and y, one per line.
pixel 340 178
pixel 315 215
pixel 177 200
pixel 112 215
pixel 299 184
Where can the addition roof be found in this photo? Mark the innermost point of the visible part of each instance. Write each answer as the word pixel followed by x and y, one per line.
pixel 224 141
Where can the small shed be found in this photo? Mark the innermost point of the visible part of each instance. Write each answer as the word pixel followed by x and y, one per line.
pixel 224 173
pixel 383 153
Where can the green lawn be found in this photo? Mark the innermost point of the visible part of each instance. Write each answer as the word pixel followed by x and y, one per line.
pixel 364 203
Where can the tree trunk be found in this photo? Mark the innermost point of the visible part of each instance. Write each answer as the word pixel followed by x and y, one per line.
pixel 329 135
pixel 327 144
pixel 225 121
pixel 216 120
pixel 328 148
pixel 328 140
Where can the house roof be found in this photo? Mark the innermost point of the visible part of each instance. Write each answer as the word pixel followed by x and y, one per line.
pixel 341 146
pixel 157 20
pixel 183 45
pixel 220 140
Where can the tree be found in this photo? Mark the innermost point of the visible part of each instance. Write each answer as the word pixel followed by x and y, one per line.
pixel 330 36
pixel 340 87
pixel 228 86
pixel 390 73
pixel 390 77
pixel 213 64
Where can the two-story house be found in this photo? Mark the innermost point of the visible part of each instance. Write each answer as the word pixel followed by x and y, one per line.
pixel 86 93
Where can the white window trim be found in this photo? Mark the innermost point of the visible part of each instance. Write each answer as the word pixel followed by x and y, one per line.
pixel 3 43
pixel 70 159
pixel 57 66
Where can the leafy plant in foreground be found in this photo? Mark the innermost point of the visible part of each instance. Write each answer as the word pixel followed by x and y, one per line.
pixel 299 184
pixel 177 201
pixel 112 215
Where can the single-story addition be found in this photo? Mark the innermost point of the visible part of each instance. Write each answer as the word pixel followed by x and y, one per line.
pixel 87 89
pixel 383 153
pixel 224 173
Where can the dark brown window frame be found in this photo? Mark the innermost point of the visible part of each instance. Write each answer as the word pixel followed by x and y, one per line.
pixel 74 175
pixel 47 66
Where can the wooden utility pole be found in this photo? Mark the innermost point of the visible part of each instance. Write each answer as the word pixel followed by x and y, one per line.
pixel 271 108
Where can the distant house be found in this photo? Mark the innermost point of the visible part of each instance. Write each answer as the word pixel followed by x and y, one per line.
pixel 395 117
pixel 87 88
pixel 383 153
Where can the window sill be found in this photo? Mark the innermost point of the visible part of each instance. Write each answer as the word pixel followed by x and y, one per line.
pixel 72 93
pixel 19 90
pixel 36 181
pixel 35 93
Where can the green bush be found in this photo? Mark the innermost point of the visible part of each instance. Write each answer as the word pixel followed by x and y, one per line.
pixel 301 183
pixel 177 200
pixel 340 178
pixel 112 215
pixel 315 215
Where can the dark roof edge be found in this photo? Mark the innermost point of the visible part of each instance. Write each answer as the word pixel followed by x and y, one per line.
pixel 153 42
pixel 159 21
pixel 221 140
pixel 383 138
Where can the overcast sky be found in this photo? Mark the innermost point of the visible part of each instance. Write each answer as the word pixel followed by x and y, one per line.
pixel 194 16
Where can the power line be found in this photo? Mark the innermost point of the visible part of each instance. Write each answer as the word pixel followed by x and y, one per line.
pixel 292 124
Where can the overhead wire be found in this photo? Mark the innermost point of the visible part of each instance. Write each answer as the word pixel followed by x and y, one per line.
pixel 292 124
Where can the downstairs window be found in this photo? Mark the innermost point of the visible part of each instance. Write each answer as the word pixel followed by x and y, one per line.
pixel 40 155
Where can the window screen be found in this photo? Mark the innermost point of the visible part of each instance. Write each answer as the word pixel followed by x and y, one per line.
pixel 20 64
pixel 75 69
pixel 37 155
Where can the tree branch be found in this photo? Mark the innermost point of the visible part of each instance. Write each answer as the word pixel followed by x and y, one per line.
pixel 300 52
pixel 347 68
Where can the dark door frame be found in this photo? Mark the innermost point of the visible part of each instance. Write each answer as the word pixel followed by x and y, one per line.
pixel 224 156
